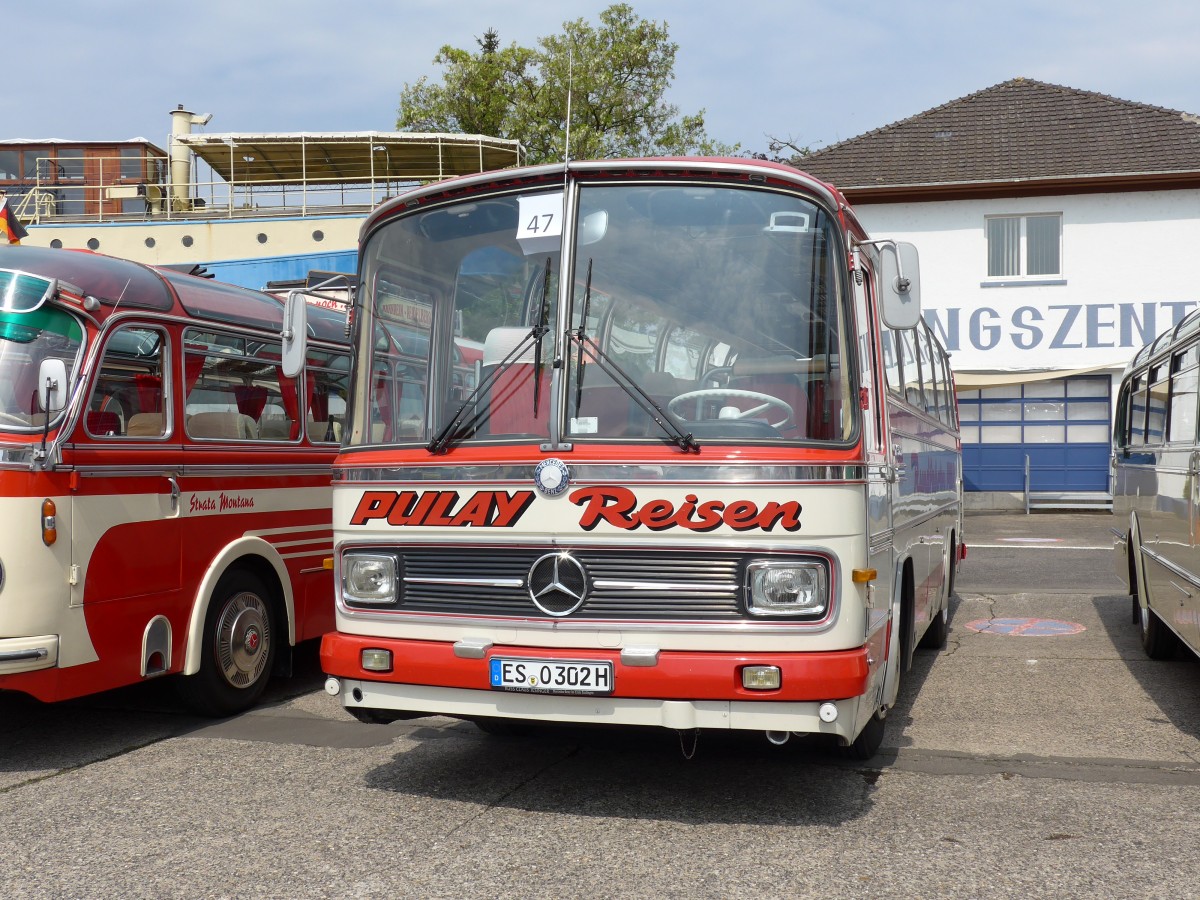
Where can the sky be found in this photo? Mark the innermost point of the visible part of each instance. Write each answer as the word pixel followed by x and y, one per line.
pixel 812 73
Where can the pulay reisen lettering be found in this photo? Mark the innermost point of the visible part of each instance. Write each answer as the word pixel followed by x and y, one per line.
pixel 616 506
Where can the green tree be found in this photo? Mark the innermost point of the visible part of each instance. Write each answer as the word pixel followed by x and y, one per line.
pixel 616 74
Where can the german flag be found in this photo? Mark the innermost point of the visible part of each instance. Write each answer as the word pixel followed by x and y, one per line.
pixel 10 225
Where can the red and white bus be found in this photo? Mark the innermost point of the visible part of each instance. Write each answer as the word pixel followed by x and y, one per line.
pixel 707 474
pixel 164 487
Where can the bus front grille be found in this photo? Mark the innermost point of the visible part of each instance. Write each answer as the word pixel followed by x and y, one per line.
pixel 620 584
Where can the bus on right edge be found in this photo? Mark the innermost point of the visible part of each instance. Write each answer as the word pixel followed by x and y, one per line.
pixel 1156 461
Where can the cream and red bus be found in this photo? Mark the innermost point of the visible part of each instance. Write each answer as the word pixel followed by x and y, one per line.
pixel 164 487
pixel 706 475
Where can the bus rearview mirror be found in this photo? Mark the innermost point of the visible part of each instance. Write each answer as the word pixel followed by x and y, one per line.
pixel 52 385
pixel 900 285
pixel 295 333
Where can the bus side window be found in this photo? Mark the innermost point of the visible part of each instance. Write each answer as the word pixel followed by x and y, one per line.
pixel 128 399
pixel 1181 423
pixel 328 384
pixel 1156 409
pixel 1137 411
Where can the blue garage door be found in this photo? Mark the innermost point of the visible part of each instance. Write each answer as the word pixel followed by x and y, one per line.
pixel 1061 425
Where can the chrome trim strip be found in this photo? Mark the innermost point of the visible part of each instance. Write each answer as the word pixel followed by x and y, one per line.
pixel 23 655
pixel 594 473
pixel 184 469
pixel 1119 535
pixel 475 582
pixel 605 583
pixel 624 626
pixel 1172 567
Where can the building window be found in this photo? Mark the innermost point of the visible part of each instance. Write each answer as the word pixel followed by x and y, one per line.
pixel 1024 246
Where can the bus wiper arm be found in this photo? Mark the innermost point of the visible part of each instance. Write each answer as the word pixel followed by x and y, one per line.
pixel 443 438
pixel 687 443
pixel 580 335
pixel 539 332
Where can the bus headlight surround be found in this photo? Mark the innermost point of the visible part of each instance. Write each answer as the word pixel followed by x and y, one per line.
pixel 787 588
pixel 370 579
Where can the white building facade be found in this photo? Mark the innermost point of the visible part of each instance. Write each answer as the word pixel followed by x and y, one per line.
pixel 1041 276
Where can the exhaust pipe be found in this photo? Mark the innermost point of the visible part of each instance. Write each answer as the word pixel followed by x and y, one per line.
pixel 778 738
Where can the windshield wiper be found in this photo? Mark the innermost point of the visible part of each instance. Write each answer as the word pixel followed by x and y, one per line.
pixel 450 431
pixel 580 335
pixel 539 332
pixel 686 442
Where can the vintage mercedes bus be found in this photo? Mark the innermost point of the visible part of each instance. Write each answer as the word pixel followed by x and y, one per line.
pixel 164 487
pixel 706 474
pixel 1156 489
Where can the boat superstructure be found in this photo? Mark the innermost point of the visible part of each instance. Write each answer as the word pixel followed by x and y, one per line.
pixel 250 207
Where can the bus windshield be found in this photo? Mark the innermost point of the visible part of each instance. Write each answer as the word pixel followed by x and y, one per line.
pixel 702 310
pixel 27 338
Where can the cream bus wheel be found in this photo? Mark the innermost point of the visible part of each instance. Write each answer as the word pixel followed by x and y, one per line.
pixel 239 648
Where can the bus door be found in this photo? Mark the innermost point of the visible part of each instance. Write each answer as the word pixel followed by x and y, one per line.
pixel 126 539
pixel 873 388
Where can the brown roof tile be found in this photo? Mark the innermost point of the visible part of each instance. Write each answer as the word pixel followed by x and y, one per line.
pixel 1019 130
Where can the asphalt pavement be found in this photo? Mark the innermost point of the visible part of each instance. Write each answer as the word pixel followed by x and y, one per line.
pixel 1040 754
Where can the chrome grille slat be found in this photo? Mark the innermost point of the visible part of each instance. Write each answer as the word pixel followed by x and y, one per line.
pixel 623 584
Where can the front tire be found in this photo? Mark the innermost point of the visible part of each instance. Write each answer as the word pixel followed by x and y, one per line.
pixel 868 742
pixel 1158 640
pixel 238 651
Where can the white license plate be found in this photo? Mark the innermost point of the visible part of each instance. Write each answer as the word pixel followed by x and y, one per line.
pixel 551 676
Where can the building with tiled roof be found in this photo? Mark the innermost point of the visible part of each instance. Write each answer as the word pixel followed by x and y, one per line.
pixel 1020 137
pixel 1048 221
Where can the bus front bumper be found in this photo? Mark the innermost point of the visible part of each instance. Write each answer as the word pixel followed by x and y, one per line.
pixel 679 690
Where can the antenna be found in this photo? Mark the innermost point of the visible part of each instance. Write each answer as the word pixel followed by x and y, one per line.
pixel 570 86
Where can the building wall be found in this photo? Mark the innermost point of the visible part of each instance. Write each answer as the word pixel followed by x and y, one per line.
pixel 1118 289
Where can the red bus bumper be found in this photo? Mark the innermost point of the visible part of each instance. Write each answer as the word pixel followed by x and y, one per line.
pixel 677 675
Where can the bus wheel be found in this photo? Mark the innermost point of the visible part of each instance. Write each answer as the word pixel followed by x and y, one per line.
pixel 1158 640
pixel 935 636
pixel 238 650
pixel 868 742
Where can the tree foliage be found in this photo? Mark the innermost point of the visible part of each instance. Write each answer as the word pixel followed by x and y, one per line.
pixel 615 74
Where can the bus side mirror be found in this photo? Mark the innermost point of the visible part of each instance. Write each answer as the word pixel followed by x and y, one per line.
pixel 52 385
pixel 295 333
pixel 900 285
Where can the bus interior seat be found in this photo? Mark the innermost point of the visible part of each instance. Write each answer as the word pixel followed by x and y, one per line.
pixel 276 428
pixel 323 430
pixel 145 425
pixel 228 425
pixel 103 423
pixel 510 403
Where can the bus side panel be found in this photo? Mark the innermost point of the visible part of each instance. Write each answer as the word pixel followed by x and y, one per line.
pixel 926 509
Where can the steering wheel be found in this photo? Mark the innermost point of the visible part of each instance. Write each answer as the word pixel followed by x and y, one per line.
pixel 765 401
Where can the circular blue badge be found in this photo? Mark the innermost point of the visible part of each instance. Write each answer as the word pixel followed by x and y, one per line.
pixel 551 476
